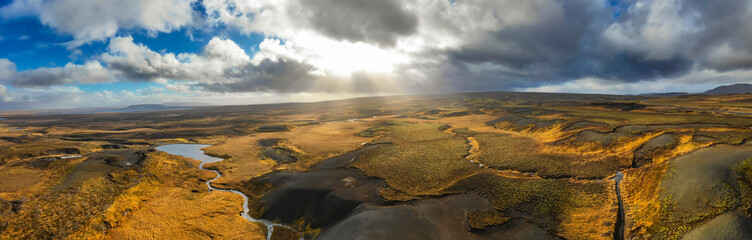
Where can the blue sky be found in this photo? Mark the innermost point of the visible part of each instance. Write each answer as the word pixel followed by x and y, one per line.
pixel 31 45
pixel 71 53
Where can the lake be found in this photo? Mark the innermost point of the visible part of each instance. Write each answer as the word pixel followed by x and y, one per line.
pixel 190 151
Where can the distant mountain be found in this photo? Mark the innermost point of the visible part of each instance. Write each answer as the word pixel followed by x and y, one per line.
pixel 738 88
pixel 147 106
pixel 665 94
pixel 187 104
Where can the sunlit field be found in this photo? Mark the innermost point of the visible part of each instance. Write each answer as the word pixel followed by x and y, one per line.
pixel 527 168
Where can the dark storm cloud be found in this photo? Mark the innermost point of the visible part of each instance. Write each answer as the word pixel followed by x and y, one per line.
pixel 380 22
pixel 547 40
pixel 527 54
pixel 38 78
pixel 289 76
pixel 703 34
pixel 701 30
pixel 465 45
pixel 280 76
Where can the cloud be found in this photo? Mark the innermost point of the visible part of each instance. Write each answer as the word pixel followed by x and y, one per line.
pixel 697 81
pixel 90 72
pixel 4 94
pixel 712 34
pixel 225 67
pixel 7 68
pixel 348 46
pixel 46 98
pixel 136 62
pixel 380 22
pixel 98 20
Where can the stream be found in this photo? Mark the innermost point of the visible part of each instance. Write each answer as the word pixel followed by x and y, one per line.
pixel 619 231
pixel 194 151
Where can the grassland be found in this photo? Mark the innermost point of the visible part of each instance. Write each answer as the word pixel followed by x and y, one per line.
pixel 540 160
pixel 577 210
pixel 126 203
pixel 420 159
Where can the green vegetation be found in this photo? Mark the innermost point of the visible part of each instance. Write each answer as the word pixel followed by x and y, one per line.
pixel 745 186
pixel 525 153
pixel 464 132
pixel 506 151
pixel 421 159
pixel 555 202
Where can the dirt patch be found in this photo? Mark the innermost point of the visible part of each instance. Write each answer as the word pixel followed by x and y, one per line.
pixel 268 142
pixel 279 155
pixel 273 128
pixel 424 219
pixel 703 177
pixel 88 169
pixel 731 225
pixel 584 124
pixel 343 160
pixel 321 198
pixel 624 106
pixel 657 145
pixel 699 186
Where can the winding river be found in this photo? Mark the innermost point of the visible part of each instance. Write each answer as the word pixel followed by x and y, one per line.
pixel 194 151
pixel 619 231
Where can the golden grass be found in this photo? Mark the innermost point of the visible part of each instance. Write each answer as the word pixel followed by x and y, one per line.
pixel 474 122
pixel 55 216
pixel 525 154
pixel 640 193
pixel 615 117
pixel 592 214
pixel 686 145
pixel 169 200
pixel 162 201
pixel 175 206
pixel 47 147
pixel 241 161
pixel 474 151
pixel 315 142
pixel 575 210
pixel 326 139
pixel 175 213
pixel 14 179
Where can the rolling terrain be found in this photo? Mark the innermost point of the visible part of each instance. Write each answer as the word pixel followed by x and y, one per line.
pixel 494 165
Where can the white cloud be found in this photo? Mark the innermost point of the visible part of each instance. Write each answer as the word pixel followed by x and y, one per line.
pixel 354 47
pixel 89 72
pixel 659 34
pixel 88 20
pixel 7 68
pixel 136 62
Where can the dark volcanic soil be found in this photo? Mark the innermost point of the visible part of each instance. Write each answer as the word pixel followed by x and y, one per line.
pixel 322 197
pixel 345 204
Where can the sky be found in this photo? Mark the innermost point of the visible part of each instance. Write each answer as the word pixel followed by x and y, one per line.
pixel 114 53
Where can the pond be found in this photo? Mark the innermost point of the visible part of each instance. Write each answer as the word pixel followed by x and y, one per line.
pixel 190 151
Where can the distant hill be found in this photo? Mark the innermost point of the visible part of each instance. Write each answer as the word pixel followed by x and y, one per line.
pixel 665 94
pixel 738 88
pixel 187 104
pixel 147 106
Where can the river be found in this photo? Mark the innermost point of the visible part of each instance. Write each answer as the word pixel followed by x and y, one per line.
pixel 619 231
pixel 194 151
